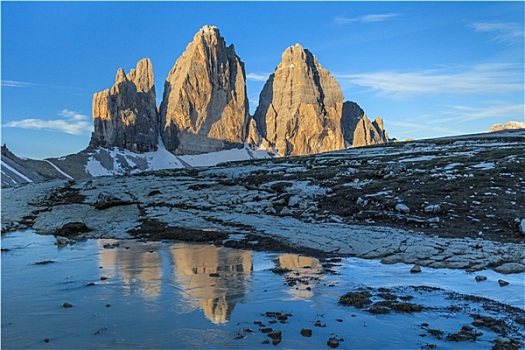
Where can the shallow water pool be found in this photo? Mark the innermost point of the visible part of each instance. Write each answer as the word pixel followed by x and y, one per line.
pixel 172 295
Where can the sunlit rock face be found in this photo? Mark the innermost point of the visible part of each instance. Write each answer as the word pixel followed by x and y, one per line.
pixel 205 106
pixel 300 106
pixel 217 294
pixel 125 116
pixel 358 130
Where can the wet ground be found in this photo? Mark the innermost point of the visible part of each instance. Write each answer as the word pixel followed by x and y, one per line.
pixel 136 294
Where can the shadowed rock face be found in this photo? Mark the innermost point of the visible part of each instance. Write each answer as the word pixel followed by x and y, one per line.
pixel 300 106
pixel 204 106
pixel 126 115
pixel 358 130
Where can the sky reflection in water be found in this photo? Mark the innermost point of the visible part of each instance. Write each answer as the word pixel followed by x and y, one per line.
pixel 179 295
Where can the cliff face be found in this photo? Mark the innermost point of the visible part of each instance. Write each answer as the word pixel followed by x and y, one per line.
pixel 205 106
pixel 358 130
pixel 126 115
pixel 300 106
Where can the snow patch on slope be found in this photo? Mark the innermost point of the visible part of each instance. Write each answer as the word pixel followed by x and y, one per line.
pixel 58 169
pixel 17 173
pixel 120 162
pixel 95 168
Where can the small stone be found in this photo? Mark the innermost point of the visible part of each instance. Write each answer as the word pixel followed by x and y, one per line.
pixel 266 330
pixel 67 305
pixel 415 269
pixel 47 340
pixel 435 208
pixel 265 341
pixel 154 193
pixel 318 323
pixel 108 305
pixel 402 208
pixel 44 262
pixel 333 342
pixel 103 278
pixel 276 337
pixel 503 283
pixel 88 185
pixel 481 278
pixel 61 241
pixel 306 332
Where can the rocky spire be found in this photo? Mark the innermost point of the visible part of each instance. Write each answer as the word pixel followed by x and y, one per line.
pixel 300 106
pixel 358 130
pixel 126 115
pixel 205 106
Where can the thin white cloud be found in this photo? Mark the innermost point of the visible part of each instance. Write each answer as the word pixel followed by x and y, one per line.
pixel 342 20
pixel 503 32
pixel 16 84
pixel 411 129
pixel 72 122
pixel 479 79
pixel 462 114
pixel 257 76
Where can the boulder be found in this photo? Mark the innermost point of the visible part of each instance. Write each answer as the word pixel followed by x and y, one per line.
pixel 72 229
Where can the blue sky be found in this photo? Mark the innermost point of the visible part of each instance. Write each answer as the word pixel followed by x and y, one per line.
pixel 428 69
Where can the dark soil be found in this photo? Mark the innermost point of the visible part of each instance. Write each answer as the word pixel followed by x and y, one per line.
pixel 155 230
pixel 356 299
pixel 471 200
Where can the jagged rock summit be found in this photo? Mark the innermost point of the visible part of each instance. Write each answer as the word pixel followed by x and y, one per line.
pixel 126 115
pixel 300 106
pixel 358 130
pixel 205 106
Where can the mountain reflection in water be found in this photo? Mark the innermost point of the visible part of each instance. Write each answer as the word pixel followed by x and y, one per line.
pixel 303 271
pixel 210 278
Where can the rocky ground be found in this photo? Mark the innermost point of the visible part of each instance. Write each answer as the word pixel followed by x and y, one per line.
pixel 455 203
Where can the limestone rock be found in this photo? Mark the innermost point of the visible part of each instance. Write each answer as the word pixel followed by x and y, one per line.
pixel 126 115
pixel 205 106
pixel 358 130
pixel 352 114
pixel 300 106
pixel 508 126
pixel 402 208
pixel 415 269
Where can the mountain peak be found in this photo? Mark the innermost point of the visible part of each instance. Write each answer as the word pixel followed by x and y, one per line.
pixel 126 115
pixel 205 106
pixel 300 106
